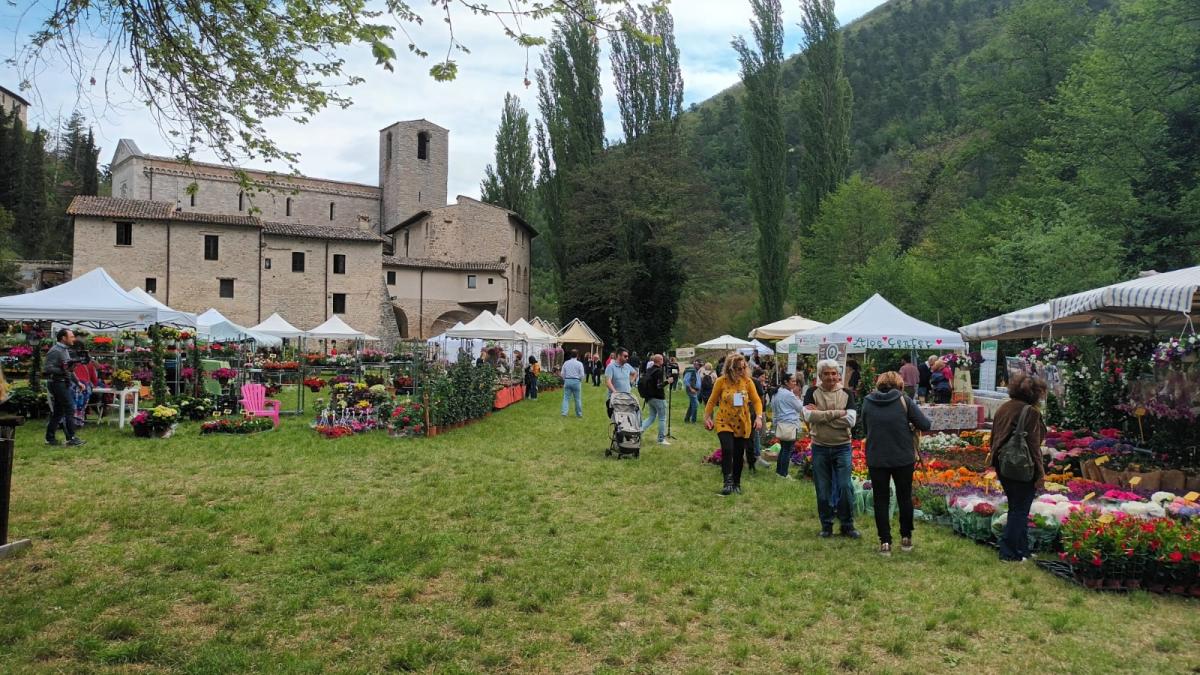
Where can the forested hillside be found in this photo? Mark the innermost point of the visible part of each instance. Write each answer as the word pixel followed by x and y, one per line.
pixel 1005 151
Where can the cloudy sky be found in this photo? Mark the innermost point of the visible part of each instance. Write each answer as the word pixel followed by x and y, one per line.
pixel 341 144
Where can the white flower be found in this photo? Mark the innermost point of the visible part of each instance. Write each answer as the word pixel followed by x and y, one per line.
pixel 1162 497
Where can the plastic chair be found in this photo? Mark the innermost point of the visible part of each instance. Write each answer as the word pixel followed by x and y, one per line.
pixel 255 402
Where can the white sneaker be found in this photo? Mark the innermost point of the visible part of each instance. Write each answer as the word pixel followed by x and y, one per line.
pixel 763 464
pixel 664 442
pixel 788 477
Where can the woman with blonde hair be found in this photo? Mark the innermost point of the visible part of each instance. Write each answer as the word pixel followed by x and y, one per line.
pixel 890 418
pixel 734 396
pixel 941 380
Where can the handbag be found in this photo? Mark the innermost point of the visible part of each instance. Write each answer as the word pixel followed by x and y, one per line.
pixel 786 431
pixel 916 433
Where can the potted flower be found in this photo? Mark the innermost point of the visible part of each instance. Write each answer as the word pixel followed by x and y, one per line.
pixel 144 375
pixel 314 384
pixel 121 379
pixel 158 422
pixel 224 375
pixel 103 342
pixel 20 352
pixel 127 338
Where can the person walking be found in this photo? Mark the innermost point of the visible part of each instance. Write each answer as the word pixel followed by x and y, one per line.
pixel 911 376
pixel 708 378
pixel 1019 413
pixel 692 385
pixel 735 398
pixel 573 374
pixel 531 377
pixel 618 377
pixel 652 386
pixel 830 414
pixel 597 370
pixel 754 454
pixel 786 411
pixel 61 382
pixel 889 417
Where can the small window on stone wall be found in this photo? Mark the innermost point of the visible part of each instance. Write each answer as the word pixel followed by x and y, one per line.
pixel 241 201
pixel 287 207
pixel 266 263
pixel 491 281
pixel 331 210
pixel 297 261
pixel 339 303
pixel 211 246
pixel 391 278
pixel 471 281
pixel 124 234
pixel 226 288
pixel 339 263
pixel 192 199
pixel 423 145
pixel 151 285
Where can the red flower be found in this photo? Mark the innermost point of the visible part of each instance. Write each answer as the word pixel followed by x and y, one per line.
pixel 1147 527
pixel 1175 557
pixel 1097 561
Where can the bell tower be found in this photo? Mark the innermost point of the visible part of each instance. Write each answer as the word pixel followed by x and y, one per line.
pixel 413 169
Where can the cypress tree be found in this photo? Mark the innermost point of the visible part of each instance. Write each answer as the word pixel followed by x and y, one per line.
pixel 825 105
pixel 765 135
pixel 645 63
pixel 12 157
pixel 91 167
pixel 510 183
pixel 31 226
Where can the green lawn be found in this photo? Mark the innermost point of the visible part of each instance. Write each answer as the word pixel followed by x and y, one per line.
pixel 509 545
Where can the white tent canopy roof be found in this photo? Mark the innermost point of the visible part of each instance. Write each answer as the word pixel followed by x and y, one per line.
pixel 227 331
pixel 784 345
pixel 94 300
pixel 756 346
pixel 725 342
pixel 533 333
pixel 783 328
pixel 1154 303
pixel 278 326
pixel 336 329
pixel 145 297
pixel 486 326
pixel 878 324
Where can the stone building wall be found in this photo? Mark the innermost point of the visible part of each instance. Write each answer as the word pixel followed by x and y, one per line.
pixel 410 184
pixel 194 283
pixel 306 298
pixel 130 266
pixel 10 101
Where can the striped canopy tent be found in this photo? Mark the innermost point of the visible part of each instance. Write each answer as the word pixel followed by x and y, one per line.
pixel 1152 304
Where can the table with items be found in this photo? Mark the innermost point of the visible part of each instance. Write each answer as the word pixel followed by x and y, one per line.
pixel 954 417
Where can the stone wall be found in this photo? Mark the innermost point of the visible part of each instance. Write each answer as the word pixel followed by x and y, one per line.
pixel 444 291
pixel 9 102
pixel 410 184
pixel 305 299
pixel 95 246
pixel 194 283
pixel 137 177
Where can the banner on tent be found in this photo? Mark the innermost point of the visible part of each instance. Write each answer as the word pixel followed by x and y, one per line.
pixel 859 344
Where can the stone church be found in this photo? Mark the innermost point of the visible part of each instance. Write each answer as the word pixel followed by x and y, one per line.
pixel 393 259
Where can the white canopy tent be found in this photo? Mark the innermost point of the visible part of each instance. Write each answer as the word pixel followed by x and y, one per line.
pixel 93 300
pixel 878 324
pixel 784 347
pixel 784 328
pixel 449 347
pixel 487 326
pixel 535 335
pixel 1152 304
pixel 336 329
pixel 145 297
pixel 214 327
pixel 758 347
pixel 725 342
pixel 279 327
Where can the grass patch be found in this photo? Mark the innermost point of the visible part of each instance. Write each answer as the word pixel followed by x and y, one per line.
pixel 508 545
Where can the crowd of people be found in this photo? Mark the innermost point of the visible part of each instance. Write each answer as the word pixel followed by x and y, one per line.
pixel 734 395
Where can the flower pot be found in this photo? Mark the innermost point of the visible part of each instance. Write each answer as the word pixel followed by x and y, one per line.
pixel 223 381
pixel 431 432
pixel 1092 583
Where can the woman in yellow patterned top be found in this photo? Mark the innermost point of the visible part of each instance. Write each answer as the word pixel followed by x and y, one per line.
pixel 734 396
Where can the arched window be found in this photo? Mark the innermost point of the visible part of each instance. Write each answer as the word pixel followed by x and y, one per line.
pixel 241 201
pixel 287 207
pixel 192 199
pixel 423 145
pixel 331 210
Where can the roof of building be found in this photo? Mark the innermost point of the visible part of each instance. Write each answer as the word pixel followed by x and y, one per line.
pixel 429 263
pixel 12 94
pixel 420 215
pixel 141 209
pixel 398 122
pixel 318 232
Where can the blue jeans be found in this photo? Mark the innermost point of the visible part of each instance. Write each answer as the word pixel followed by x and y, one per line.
pixel 693 408
pixel 573 389
pixel 784 463
pixel 831 476
pixel 658 410
pixel 1014 543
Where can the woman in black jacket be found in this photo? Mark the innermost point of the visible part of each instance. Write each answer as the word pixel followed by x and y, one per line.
pixel 889 417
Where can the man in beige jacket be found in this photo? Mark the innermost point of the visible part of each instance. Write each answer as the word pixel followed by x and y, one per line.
pixel 830 414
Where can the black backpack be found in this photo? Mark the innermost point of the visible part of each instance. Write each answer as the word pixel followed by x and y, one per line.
pixel 1012 457
pixel 646 383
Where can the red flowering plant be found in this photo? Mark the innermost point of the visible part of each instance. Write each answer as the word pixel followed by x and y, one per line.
pixel 314 384
pixel 407 420
pixel 102 341
pixel 1117 551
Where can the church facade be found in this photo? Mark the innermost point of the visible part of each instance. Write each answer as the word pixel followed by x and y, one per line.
pixel 393 260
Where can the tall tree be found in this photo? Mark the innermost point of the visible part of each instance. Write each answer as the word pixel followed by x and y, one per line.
pixel 31 209
pixel 645 65
pixel 825 104
pixel 510 183
pixel 12 158
pixel 768 152
pixel 91 167
pixel 569 100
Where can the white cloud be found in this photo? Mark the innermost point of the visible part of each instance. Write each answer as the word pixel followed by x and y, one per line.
pixel 341 144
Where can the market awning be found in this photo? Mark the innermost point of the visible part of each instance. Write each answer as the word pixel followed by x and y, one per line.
pixel 578 332
pixel 878 324
pixel 336 329
pixel 278 326
pixel 783 328
pixel 94 300
pixel 725 342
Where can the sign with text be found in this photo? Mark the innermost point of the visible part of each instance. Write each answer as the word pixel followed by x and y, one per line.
pixel 834 352
pixel 990 349
pixel 685 352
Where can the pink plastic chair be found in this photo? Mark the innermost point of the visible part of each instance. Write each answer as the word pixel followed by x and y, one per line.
pixel 254 401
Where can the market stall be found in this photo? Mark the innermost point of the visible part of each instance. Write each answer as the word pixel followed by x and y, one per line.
pixel 784 328
pixel 488 326
pixel 577 334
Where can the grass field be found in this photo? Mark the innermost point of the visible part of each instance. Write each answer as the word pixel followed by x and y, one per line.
pixel 508 545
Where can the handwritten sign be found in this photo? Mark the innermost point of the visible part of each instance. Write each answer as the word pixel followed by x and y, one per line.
pixel 1192 496
pixel 1089 496
pixel 1135 480
pixel 1101 460
pixel 1106 518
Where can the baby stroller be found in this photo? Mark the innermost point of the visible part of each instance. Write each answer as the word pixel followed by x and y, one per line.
pixel 627 426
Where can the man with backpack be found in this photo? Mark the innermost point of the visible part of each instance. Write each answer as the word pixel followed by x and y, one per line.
pixel 652 386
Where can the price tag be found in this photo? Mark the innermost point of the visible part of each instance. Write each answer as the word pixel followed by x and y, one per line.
pixel 1139 412
pixel 1106 518
pixel 1089 496
pixel 1135 480
pixel 1102 460
pixel 1192 496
